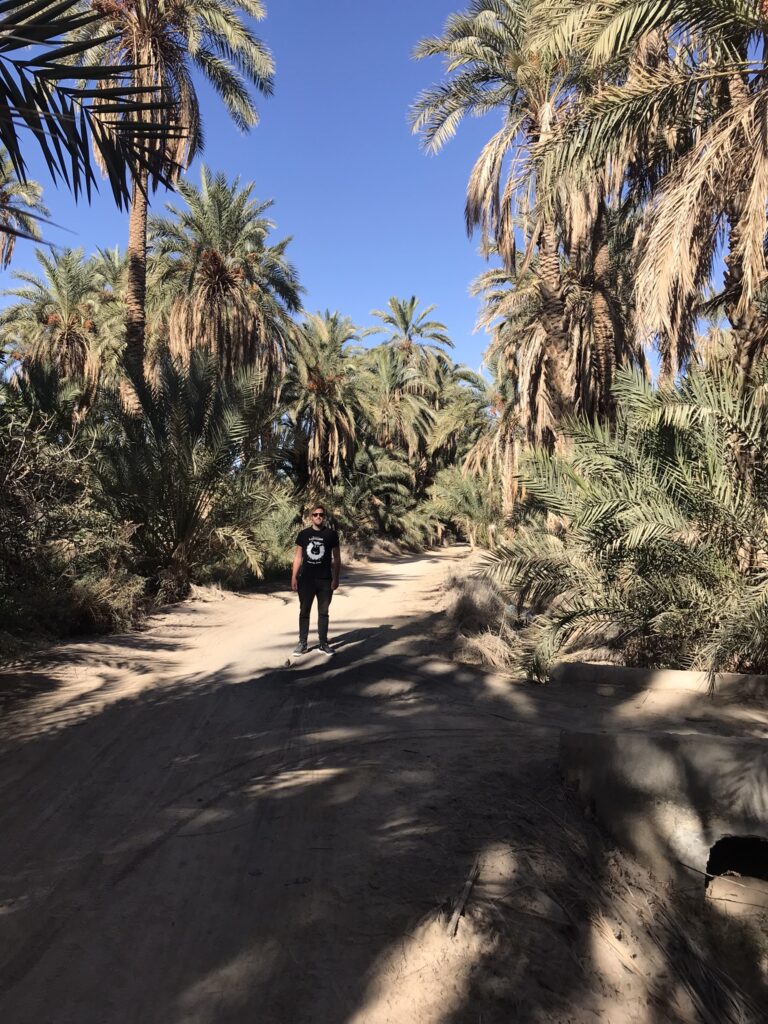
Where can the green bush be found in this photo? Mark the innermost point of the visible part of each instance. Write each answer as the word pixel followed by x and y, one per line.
pixel 65 566
pixel 182 461
pixel 649 537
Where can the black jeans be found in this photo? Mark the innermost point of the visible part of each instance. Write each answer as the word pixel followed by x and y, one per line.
pixel 309 589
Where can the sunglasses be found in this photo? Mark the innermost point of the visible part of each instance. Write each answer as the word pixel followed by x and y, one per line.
pixel 318 515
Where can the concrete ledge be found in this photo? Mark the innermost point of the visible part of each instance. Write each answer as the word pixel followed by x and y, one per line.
pixel 582 672
pixel 667 798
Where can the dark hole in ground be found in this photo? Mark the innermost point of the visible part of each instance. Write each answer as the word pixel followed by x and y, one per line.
pixel 742 855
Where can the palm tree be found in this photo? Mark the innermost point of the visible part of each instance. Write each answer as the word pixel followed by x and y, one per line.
pixel 229 290
pixel 679 117
pixel 171 462
pixel 420 342
pixel 650 537
pixel 491 65
pixel 21 206
pixel 393 400
pixel 321 392
pixel 460 411
pixel 56 319
pixel 376 499
pixel 467 502
pixel 160 43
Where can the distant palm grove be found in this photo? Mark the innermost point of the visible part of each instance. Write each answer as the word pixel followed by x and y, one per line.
pixel 167 411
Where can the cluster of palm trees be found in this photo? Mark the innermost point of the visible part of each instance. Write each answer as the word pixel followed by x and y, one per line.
pixel 219 283
pixel 244 404
pixel 622 203
pixel 193 403
pixel 629 156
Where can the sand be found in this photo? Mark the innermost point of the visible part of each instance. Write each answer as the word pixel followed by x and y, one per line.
pixel 193 832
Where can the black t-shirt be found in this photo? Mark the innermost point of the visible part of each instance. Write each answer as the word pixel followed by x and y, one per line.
pixel 316 547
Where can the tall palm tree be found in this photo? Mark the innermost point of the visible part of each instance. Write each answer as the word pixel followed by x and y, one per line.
pixel 21 205
pixel 230 291
pixel 161 43
pixel 680 118
pixel 420 342
pixel 321 392
pixel 56 318
pixel 491 65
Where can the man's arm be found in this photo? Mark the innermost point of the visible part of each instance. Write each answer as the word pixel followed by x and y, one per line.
pixel 295 568
pixel 336 562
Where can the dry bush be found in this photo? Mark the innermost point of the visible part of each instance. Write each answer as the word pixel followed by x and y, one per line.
pixel 478 611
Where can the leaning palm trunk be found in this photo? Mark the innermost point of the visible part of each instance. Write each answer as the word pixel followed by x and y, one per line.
pixel 136 288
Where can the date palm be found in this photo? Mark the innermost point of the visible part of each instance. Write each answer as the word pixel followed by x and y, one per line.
pixel 229 290
pixel 460 411
pixel 491 66
pixel 321 392
pixel 394 400
pixel 41 101
pixel 495 453
pixel 680 117
pixel 170 460
pixel 56 316
pixel 650 536
pixel 21 207
pixel 162 44
pixel 419 342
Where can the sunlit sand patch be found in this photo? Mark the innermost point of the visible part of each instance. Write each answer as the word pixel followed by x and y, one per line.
pixel 228 986
pixel 294 779
pixel 338 734
pixel 387 688
pixel 422 978
pixel 425 976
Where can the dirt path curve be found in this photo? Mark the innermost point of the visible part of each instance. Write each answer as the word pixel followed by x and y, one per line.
pixel 194 834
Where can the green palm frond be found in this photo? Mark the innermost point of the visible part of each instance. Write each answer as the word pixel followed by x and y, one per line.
pixel 650 536
pixel 226 286
pixel 43 96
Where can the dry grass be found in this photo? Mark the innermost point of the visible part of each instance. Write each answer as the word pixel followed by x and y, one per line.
pixel 481 626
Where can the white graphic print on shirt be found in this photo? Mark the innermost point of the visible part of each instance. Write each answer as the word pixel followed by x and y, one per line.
pixel 315 550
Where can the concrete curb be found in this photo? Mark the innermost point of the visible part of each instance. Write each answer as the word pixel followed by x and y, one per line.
pixel 575 673
pixel 668 799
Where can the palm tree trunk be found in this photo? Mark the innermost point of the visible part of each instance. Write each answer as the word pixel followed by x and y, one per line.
pixel 559 359
pixel 136 290
pixel 509 484
pixel 749 334
pixel 606 325
pixel 748 326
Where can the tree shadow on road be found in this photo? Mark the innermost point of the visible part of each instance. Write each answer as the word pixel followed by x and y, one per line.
pixel 290 850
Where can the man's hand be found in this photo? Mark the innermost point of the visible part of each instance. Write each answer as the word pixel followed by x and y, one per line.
pixel 294 583
pixel 335 585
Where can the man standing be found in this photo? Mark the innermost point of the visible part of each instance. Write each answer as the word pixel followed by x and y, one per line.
pixel 315 574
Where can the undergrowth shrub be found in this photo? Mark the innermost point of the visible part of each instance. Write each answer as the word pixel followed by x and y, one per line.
pixel 65 565
pixel 649 537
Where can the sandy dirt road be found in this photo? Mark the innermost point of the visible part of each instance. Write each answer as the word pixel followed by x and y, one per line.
pixel 193 833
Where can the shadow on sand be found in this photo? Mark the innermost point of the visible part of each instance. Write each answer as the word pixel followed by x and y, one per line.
pixel 228 853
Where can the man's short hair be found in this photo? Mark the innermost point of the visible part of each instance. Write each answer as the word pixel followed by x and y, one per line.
pixel 319 507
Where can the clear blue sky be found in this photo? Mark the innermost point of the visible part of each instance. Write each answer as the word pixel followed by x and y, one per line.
pixel 370 213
